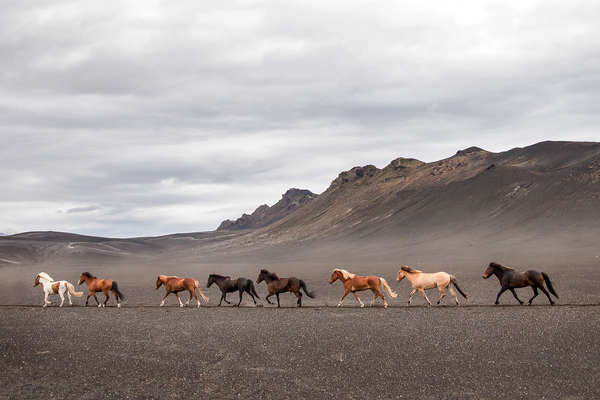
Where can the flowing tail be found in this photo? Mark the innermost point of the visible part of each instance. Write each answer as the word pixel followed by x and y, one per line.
pixel 387 287
pixel 117 292
pixel 549 284
pixel 197 284
pixel 72 291
pixel 303 287
pixel 253 290
pixel 453 280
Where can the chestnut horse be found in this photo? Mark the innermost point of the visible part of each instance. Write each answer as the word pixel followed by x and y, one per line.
pixel 356 283
pixel 277 285
pixel 100 285
pixel 422 281
pixel 511 279
pixel 175 284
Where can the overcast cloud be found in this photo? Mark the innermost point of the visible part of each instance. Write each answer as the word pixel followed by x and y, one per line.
pixel 145 118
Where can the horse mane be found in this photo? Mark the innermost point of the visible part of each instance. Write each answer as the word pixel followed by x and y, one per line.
pixel 219 276
pixel 500 266
pixel 88 275
pixel 345 274
pixel 408 269
pixel 272 275
pixel 45 276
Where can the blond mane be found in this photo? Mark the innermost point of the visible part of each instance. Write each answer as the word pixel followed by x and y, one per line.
pixel 410 270
pixel 45 277
pixel 345 274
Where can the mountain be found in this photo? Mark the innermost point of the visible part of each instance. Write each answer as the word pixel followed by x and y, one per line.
pixel 265 215
pixel 542 200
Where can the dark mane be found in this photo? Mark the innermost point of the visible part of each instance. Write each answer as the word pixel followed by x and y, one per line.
pixel 219 276
pixel 271 275
pixel 500 266
pixel 88 275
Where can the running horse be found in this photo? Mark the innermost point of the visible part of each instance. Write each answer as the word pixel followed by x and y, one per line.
pixel 100 285
pixel 50 286
pixel 276 285
pixel 228 285
pixel 175 284
pixel 356 283
pixel 422 281
pixel 511 279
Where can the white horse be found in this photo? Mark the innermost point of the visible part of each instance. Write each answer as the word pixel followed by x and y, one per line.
pixel 49 286
pixel 423 281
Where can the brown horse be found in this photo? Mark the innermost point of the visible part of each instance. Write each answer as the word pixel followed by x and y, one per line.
pixel 511 279
pixel 100 285
pixel 277 285
pixel 356 283
pixel 174 284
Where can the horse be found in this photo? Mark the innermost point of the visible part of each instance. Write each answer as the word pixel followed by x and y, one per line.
pixel 276 285
pixel 50 286
pixel 511 279
pixel 227 285
pixel 356 283
pixel 175 284
pixel 100 285
pixel 422 281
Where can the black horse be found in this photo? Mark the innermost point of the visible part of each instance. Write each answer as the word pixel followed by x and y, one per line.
pixel 227 285
pixel 511 279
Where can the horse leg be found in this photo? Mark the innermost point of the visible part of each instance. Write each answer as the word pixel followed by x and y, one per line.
pixel 412 293
pixel 69 297
pixel 187 303
pixel 241 291
pixel 453 293
pixel 547 295
pixel 267 298
pixel 278 305
pixel 342 299
pixel 87 299
pixel 196 297
pixel 535 293
pixel 425 296
pixel 162 303
pixel 46 302
pixel 374 298
pixel 225 298
pixel 499 294
pixel 442 294
pixel 380 294
pixel 62 297
pixel 515 294
pixel 179 300
pixel 95 298
pixel 251 295
pixel 299 296
pixel 107 294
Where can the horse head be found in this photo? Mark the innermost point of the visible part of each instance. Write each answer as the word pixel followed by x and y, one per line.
pixel 335 275
pixel 211 280
pixel 37 281
pixel 401 275
pixel 159 281
pixel 84 277
pixel 489 270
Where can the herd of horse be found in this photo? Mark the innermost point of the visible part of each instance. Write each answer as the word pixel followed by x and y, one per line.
pixel 420 281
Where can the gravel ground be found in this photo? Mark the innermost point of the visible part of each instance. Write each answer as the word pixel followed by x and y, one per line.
pixel 478 352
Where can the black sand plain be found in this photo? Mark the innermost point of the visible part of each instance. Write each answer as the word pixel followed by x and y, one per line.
pixel 477 350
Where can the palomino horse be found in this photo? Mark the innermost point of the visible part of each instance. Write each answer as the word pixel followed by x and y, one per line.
pixel 511 279
pixel 422 281
pixel 175 284
pixel 277 285
pixel 227 285
pixel 356 283
pixel 50 286
pixel 100 285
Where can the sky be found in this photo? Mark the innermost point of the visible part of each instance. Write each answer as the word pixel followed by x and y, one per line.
pixel 138 118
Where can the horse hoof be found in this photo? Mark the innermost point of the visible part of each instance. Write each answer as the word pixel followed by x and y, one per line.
pixel 118 305
pixel 339 305
pixel 99 305
pixel 496 303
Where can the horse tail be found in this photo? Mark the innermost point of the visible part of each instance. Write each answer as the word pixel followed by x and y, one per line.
pixel 549 284
pixel 453 281
pixel 71 289
pixel 251 287
pixel 387 287
pixel 115 289
pixel 197 286
pixel 303 287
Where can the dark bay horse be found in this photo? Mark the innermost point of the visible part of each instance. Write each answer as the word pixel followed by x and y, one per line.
pixel 511 279
pixel 175 284
pixel 228 285
pixel 100 285
pixel 277 285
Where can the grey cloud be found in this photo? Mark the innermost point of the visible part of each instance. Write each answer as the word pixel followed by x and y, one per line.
pixel 171 118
